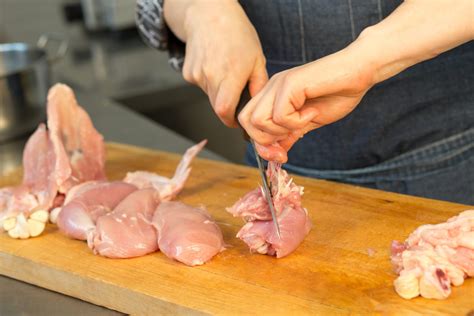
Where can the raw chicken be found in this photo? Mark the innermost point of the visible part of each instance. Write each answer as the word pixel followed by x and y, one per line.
pixel 39 161
pixel 127 232
pixel 168 188
pixel 261 236
pixel 187 234
pixel 79 147
pixel 36 194
pixel 12 201
pixel 259 232
pixel 253 206
pixel 86 202
pixel 71 151
pixel 434 257
pixel 115 217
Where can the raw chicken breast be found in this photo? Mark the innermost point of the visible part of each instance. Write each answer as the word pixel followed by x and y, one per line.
pixel 253 206
pixel 36 194
pixel 261 236
pixel 187 234
pixel 168 188
pixel 127 232
pixel 71 151
pixel 86 202
pixel 79 147
pixel 259 233
pixel 39 171
pixel 434 257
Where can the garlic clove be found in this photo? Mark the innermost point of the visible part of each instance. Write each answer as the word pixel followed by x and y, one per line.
pixel 9 223
pixel 35 227
pixel 53 216
pixel 40 216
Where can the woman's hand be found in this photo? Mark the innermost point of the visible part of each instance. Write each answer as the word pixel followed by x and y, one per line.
pixel 304 98
pixel 223 51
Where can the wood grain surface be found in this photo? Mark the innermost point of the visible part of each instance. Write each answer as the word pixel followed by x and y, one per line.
pixel 342 267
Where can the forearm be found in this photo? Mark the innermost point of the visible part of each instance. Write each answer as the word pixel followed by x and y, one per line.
pixel 177 13
pixel 418 30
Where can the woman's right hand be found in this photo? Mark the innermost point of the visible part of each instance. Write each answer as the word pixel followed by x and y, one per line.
pixel 223 51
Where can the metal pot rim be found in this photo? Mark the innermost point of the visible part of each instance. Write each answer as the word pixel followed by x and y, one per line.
pixel 22 47
pixel 40 49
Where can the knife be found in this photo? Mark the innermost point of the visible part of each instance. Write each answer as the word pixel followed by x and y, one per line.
pixel 244 99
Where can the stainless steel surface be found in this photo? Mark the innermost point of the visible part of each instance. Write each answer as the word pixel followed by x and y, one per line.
pixel 24 83
pixel 110 14
pixel 18 298
pixel 45 40
pixel 266 188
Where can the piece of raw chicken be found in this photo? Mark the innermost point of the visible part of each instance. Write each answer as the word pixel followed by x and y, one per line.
pixel 127 232
pixel 187 234
pixel 259 232
pixel 168 188
pixel 80 148
pixel 23 209
pixel 434 257
pixel 69 152
pixel 86 202
pixel 115 217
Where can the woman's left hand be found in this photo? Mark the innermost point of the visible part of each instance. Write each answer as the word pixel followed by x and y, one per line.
pixel 304 98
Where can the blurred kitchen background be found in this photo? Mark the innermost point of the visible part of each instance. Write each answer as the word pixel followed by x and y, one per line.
pixel 106 57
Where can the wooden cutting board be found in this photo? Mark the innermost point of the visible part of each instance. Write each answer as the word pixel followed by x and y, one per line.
pixel 342 267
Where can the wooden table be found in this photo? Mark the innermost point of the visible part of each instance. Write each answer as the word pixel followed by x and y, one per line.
pixel 342 267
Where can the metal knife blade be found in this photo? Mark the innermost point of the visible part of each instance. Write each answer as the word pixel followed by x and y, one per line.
pixel 244 98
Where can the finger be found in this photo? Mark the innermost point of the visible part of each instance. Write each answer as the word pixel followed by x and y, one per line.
pixel 228 94
pixel 332 108
pixel 258 78
pixel 272 152
pixel 212 85
pixel 245 121
pixel 258 135
pixel 261 116
pixel 187 67
pixel 288 142
pixel 289 110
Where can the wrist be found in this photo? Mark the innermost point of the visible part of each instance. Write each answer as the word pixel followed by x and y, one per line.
pixel 361 58
pixel 365 52
pixel 198 12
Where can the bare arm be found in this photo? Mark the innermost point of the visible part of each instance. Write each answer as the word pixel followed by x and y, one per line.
pixel 416 31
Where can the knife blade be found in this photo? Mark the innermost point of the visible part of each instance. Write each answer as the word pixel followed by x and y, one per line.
pixel 244 98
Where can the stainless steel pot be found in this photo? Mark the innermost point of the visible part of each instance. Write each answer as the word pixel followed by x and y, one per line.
pixel 24 84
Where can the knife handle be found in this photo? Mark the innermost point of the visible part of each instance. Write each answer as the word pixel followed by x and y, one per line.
pixel 244 99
